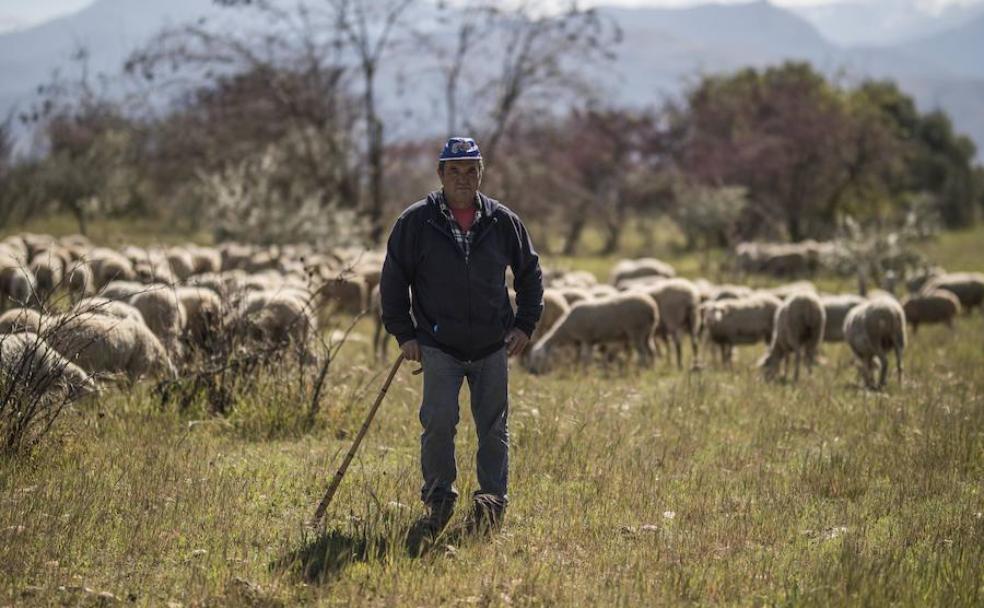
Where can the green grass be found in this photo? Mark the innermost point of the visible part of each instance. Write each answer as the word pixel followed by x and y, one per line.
pixel 628 488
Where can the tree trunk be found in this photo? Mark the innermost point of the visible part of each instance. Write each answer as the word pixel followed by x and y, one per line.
pixel 574 231
pixel 374 150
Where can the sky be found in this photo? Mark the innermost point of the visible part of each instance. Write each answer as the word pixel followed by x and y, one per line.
pixel 18 14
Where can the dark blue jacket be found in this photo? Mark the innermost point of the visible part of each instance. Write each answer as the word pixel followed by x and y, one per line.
pixel 460 307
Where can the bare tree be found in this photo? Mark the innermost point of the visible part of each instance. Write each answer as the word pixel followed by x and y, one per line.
pixel 293 66
pixel 368 26
pixel 541 54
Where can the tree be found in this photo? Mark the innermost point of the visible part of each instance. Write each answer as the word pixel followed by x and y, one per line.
pixel 792 139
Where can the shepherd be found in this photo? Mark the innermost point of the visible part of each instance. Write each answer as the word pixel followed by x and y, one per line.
pixel 445 300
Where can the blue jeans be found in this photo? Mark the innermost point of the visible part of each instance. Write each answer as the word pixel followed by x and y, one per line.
pixel 489 387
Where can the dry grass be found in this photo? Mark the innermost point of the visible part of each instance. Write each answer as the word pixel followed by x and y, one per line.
pixel 628 488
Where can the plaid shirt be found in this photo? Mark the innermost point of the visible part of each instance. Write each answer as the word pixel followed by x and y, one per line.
pixel 463 238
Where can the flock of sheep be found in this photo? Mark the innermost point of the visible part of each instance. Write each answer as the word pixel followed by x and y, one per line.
pixel 77 315
pixel 645 304
pixel 90 314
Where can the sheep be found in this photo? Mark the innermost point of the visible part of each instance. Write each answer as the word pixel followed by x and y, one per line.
pixel 122 290
pixel 602 291
pixel 203 309
pixel 967 286
pixel 181 262
pixel 573 295
pixel 235 256
pixel 678 301
pixel 797 330
pixel 48 269
pixel 916 282
pixel 277 318
pixel 101 344
pixel 164 314
pixel 20 319
pixel 784 291
pixel 642 267
pixel 626 317
pixel 349 294
pixel 577 278
pixel 205 259
pixel 554 307
pixel 108 265
pixel 835 308
pixel 741 321
pixel 80 279
pixel 871 330
pixel 17 282
pixel 110 308
pixel 25 357
pixel 936 306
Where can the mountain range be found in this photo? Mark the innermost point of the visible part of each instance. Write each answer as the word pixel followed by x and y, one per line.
pixel 940 61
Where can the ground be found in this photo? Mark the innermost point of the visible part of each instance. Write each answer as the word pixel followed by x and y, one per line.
pixel 628 488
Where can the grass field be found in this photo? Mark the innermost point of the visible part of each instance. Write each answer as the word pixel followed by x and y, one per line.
pixel 628 488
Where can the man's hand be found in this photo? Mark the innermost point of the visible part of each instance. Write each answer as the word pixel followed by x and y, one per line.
pixel 516 341
pixel 411 350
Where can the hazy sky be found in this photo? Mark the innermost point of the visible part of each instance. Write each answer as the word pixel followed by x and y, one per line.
pixel 22 13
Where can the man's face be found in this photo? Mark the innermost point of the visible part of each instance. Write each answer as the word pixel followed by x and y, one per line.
pixel 461 178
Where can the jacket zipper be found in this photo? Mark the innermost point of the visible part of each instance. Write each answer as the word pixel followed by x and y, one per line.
pixel 478 239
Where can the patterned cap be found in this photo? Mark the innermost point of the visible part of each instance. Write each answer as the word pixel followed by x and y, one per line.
pixel 460 148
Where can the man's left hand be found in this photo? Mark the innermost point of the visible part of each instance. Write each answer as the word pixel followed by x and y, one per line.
pixel 516 341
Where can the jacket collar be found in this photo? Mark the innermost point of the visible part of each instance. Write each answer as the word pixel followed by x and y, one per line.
pixel 486 204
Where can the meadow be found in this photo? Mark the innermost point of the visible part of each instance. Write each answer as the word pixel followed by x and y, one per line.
pixel 628 488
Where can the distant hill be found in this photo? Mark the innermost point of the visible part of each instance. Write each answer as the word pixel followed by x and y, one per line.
pixel 960 50
pixel 884 22
pixel 663 49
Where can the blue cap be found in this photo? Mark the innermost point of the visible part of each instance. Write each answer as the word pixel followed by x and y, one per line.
pixel 460 148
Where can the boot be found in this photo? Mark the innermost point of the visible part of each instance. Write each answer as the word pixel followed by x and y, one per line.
pixel 488 514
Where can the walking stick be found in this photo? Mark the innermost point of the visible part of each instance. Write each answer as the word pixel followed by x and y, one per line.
pixel 333 486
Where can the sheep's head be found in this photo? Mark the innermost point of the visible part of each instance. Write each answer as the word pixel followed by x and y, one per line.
pixel 538 361
pixel 769 364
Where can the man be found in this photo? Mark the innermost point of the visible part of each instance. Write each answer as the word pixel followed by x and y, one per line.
pixel 450 251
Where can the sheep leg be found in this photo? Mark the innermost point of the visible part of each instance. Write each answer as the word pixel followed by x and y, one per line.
pixel 883 371
pixel 584 352
pixel 694 349
pixel 679 349
pixel 898 362
pixel 796 371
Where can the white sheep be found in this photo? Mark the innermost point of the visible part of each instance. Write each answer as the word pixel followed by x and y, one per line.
pixel 80 280
pixel 203 309
pixel 110 308
pixel 164 314
pixel 17 282
pixel 101 344
pixel 739 321
pixel 873 329
pixel 20 319
pixel 26 358
pixel 279 318
pixel 784 291
pixel 108 265
pixel 642 267
pixel 836 307
pixel 49 270
pixel 797 330
pixel 122 290
pixel 678 301
pixel 629 318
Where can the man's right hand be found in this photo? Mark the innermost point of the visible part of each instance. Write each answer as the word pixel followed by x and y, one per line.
pixel 411 350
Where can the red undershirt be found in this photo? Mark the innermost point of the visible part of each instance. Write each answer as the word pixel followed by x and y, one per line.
pixel 464 217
